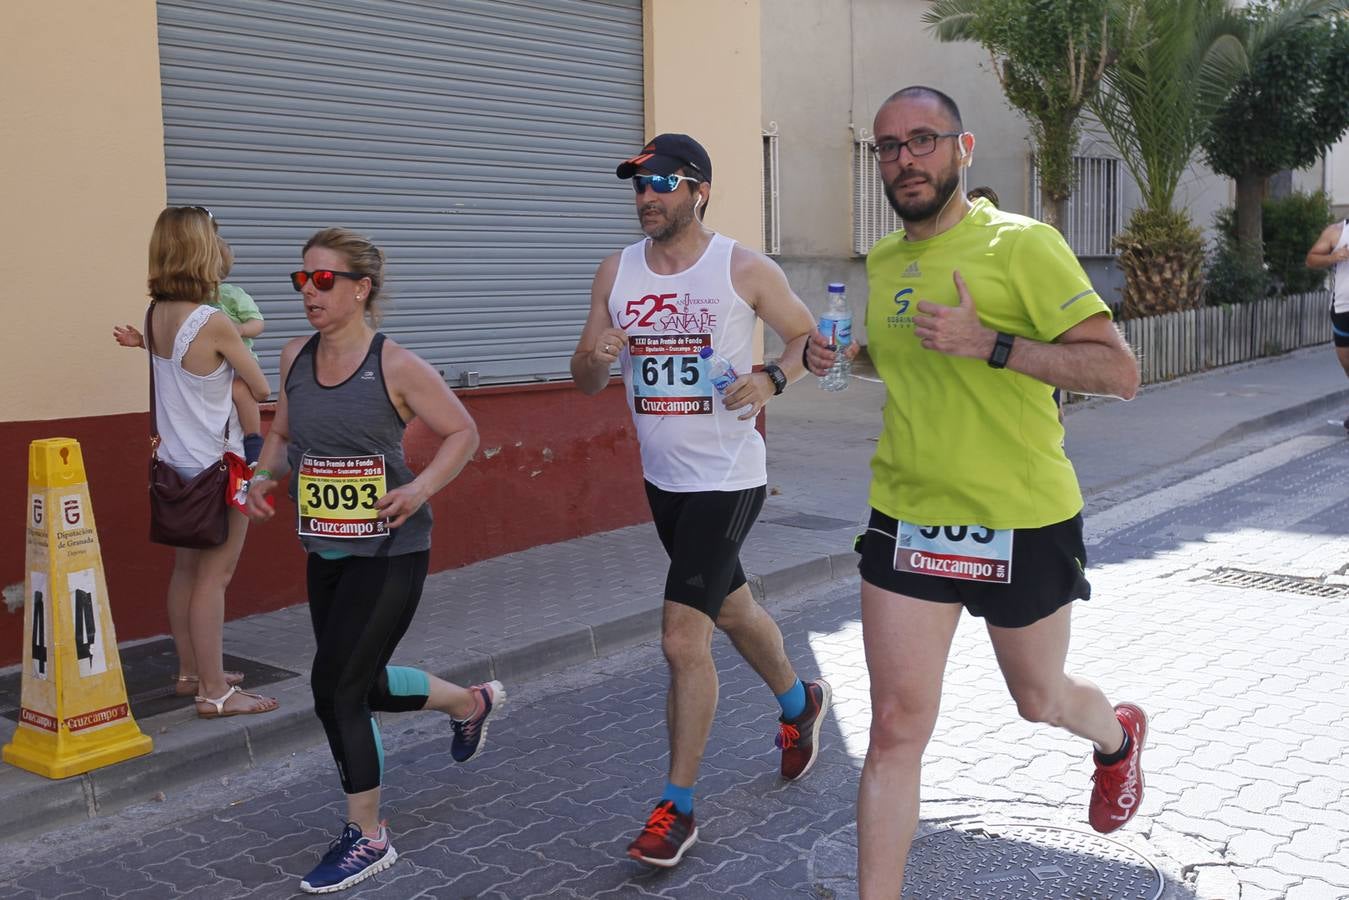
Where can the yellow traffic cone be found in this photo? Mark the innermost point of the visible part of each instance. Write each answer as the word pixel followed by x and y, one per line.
pixel 73 714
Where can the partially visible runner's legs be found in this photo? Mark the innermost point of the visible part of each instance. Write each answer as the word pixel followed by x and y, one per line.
pixel 1032 659
pixel 1342 352
pixel 703 532
pixel 361 608
pixel 906 642
pixel 803 705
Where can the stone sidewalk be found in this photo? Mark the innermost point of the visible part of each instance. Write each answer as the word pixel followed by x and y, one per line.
pixel 1243 758
pixel 530 613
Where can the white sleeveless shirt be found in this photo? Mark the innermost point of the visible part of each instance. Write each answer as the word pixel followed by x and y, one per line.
pixel 192 410
pixel 1339 275
pixel 689 440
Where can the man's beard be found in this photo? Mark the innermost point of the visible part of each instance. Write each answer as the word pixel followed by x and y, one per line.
pixel 676 221
pixel 918 211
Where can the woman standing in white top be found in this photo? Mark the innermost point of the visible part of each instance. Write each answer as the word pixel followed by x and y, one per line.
pixel 195 352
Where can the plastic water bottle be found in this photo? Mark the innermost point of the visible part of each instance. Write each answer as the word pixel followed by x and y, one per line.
pixel 836 326
pixel 719 369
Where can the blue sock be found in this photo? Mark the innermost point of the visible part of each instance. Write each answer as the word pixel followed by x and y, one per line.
pixel 681 796
pixel 793 702
pixel 252 448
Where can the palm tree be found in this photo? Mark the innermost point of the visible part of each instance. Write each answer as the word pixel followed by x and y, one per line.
pixel 1179 60
pixel 1288 109
pixel 1049 56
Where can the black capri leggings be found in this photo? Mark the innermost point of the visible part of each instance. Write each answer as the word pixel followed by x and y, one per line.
pixel 361 607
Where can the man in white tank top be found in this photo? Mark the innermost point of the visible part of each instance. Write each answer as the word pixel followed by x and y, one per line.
pixel 1331 251
pixel 659 309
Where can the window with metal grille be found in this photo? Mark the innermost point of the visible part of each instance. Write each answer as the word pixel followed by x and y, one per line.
pixel 1095 207
pixel 872 216
pixel 771 212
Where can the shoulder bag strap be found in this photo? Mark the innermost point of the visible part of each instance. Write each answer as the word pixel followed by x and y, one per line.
pixel 150 355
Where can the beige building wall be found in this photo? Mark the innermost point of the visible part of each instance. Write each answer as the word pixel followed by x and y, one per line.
pixel 827 67
pixel 1337 177
pixel 702 79
pixel 83 179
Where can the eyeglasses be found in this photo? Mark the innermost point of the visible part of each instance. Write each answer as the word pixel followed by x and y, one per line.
pixel 209 215
pixel 661 184
pixel 323 279
pixel 919 145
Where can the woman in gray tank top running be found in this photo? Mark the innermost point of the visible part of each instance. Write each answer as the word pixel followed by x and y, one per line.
pixel 347 395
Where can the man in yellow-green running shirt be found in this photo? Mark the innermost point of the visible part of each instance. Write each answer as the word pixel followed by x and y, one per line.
pixel 974 316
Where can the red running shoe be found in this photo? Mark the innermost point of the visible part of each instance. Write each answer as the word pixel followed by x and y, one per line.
pixel 1119 787
pixel 667 834
pixel 799 739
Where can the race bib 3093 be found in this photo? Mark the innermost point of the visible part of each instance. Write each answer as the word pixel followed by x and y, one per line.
pixel 336 496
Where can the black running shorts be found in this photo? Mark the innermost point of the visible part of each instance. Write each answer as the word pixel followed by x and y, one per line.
pixel 1047 572
pixel 1339 326
pixel 702 531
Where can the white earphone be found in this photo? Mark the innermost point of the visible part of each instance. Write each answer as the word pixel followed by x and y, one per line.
pixel 697 202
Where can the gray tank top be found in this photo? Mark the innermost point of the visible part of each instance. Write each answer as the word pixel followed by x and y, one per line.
pixel 346 450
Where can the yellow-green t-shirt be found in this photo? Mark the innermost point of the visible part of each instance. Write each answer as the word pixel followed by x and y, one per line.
pixel 964 443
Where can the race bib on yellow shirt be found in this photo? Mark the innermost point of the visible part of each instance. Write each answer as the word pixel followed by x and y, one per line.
pixel 336 496
pixel 669 378
pixel 966 552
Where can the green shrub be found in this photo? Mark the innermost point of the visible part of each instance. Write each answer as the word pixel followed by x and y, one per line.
pixel 1291 225
pixel 1233 276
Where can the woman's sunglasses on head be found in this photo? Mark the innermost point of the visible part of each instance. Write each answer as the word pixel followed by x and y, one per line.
pixel 209 215
pixel 323 279
pixel 661 184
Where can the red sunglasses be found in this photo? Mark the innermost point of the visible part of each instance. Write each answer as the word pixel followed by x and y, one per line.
pixel 323 279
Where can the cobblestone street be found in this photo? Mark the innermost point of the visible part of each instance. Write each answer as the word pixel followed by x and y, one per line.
pixel 1243 681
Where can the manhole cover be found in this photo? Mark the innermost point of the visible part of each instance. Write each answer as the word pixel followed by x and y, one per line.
pixel 149 669
pixel 1307 587
pixel 1038 862
pixel 809 522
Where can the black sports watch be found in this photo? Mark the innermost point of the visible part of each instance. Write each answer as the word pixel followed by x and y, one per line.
pixel 779 379
pixel 1002 349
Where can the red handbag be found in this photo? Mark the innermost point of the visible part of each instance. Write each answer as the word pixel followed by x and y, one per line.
pixel 190 513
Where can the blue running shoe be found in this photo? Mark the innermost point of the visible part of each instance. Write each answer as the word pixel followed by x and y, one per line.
pixel 350 858
pixel 470 735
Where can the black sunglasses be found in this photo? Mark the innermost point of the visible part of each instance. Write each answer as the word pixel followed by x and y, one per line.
pixel 323 279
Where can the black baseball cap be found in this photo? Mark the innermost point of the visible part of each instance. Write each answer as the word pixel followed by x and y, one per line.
pixel 665 154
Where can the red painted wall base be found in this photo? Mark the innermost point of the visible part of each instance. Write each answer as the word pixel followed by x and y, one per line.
pixel 548 455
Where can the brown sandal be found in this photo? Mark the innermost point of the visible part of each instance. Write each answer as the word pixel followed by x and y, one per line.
pixel 221 712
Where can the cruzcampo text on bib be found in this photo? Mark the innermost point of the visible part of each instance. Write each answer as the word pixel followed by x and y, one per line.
pixel 669 378
pixel 966 552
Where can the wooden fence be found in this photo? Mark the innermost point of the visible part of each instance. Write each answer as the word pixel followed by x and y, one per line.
pixel 1181 343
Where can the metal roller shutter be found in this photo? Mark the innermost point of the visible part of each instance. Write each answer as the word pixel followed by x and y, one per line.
pixel 474 140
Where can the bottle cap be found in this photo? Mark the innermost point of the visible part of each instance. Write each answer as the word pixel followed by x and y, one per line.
pixel 705 353
pixel 836 287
